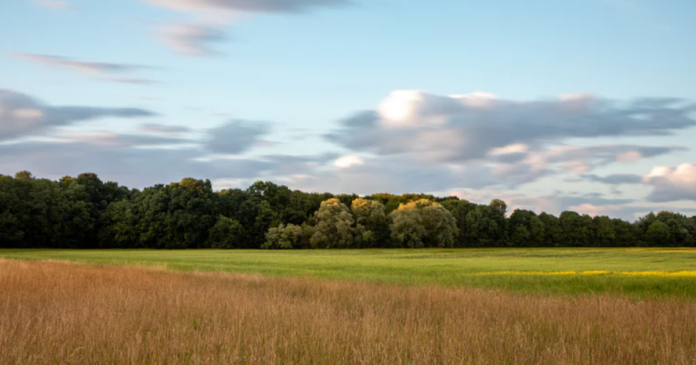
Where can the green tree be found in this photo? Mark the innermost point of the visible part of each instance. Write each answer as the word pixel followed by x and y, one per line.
pixel 484 227
pixel 575 229
pixel 526 229
pixel 659 234
pixel 226 233
pixel 371 223
pixel 11 224
pixel 552 230
pixel 604 232
pixel 459 210
pixel 626 233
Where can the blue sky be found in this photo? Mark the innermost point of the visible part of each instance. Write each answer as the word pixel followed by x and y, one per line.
pixel 550 105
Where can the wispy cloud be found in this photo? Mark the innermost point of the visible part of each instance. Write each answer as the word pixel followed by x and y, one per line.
pixel 103 70
pixel 190 39
pixel 237 136
pixel 53 4
pixel 613 179
pixel 22 115
pixel 209 18
pixel 164 129
pixel 248 6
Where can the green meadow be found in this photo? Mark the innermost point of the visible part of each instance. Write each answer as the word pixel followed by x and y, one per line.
pixel 640 272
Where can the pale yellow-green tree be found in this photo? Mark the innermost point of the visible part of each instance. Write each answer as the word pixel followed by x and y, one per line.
pixel 423 223
pixel 284 237
pixel 334 225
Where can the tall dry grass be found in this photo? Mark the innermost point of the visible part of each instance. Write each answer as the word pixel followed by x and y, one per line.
pixel 52 312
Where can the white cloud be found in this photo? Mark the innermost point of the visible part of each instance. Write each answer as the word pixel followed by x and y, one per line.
pixel 399 106
pixel 672 184
pixel 348 161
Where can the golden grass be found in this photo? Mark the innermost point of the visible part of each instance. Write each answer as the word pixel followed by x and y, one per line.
pixel 53 312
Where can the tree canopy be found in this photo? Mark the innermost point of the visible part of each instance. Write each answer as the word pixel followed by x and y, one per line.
pixel 86 212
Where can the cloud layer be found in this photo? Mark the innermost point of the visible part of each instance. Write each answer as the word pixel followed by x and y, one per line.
pixel 464 127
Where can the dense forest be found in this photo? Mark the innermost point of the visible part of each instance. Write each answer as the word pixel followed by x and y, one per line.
pixel 85 212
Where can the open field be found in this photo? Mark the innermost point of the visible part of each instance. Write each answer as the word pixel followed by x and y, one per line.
pixel 643 272
pixel 67 313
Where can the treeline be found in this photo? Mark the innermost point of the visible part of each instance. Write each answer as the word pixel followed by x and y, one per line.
pixel 85 212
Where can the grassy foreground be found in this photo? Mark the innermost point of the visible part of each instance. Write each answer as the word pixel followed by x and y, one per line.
pixel 66 313
pixel 643 272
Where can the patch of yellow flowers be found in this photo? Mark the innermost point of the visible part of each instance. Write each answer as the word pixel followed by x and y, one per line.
pixel 687 273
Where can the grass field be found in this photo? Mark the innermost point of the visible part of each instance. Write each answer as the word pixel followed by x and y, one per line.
pixel 642 272
pixel 70 313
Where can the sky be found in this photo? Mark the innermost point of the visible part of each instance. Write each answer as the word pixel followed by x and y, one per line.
pixel 584 105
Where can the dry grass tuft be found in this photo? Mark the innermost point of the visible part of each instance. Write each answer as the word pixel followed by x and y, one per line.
pixel 53 312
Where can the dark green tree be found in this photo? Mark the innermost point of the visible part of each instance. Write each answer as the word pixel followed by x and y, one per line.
pixel 226 233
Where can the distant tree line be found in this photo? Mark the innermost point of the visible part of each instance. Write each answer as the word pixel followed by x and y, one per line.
pixel 85 212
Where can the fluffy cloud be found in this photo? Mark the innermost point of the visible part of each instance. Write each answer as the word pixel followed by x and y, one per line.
pixel 465 127
pixel 348 161
pixel 672 184
pixel 508 143
pixel 102 70
pixel 236 136
pixel 22 115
